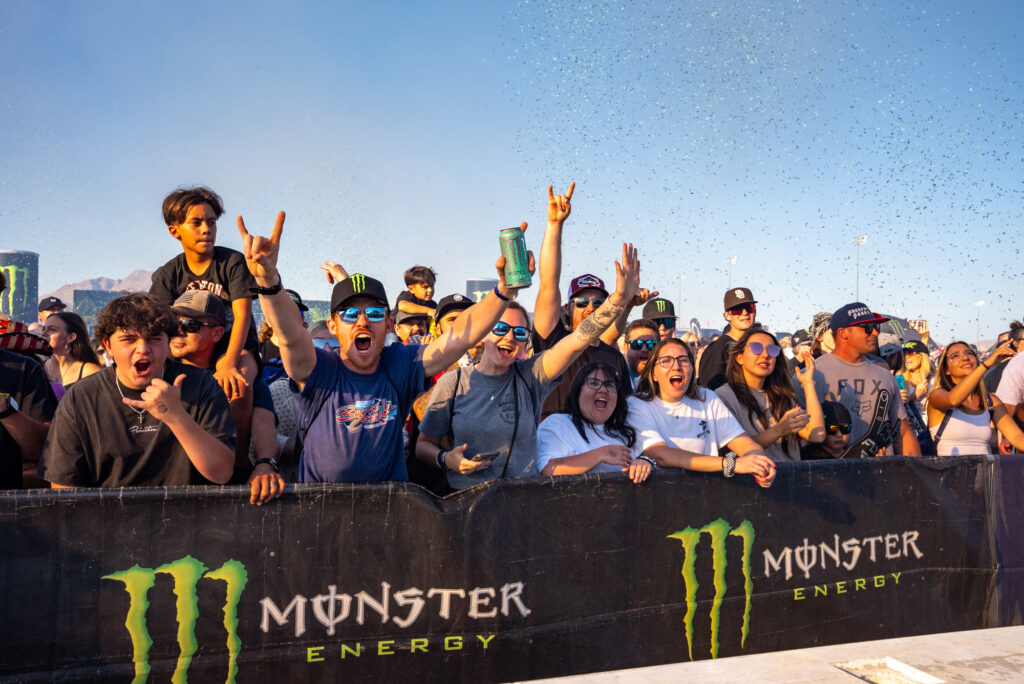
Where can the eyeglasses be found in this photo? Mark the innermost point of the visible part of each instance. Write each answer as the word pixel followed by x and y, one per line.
pixel 595 384
pixel 742 309
pixel 868 328
pixel 191 325
pixel 501 329
pixel 374 314
pixel 637 345
pixel 665 322
pixel 756 348
pixel 956 356
pixel 844 428
pixel 583 302
pixel 667 362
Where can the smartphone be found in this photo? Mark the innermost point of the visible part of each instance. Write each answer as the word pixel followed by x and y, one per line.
pixel 486 456
pixel 901 382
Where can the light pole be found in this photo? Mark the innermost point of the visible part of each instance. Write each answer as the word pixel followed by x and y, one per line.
pixel 731 261
pixel 679 303
pixel 858 241
pixel 977 342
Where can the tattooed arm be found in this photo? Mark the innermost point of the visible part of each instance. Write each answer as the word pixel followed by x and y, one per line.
pixel 627 282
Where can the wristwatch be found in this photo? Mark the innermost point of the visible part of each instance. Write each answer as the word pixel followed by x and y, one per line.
pixel 267 291
pixel 11 409
pixel 272 461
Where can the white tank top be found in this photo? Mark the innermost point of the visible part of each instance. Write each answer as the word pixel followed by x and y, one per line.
pixel 966 434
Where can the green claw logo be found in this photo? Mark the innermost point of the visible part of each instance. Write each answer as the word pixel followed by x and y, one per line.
pixel 14 285
pixel 690 538
pixel 661 305
pixel 186 572
pixel 358 282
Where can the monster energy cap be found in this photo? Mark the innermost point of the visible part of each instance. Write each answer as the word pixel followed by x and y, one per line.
pixel 48 303
pixel 358 285
pixel 659 308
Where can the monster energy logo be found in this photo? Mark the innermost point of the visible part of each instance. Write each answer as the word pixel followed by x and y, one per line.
pixel 358 282
pixel 660 305
pixel 690 538
pixel 11 274
pixel 480 294
pixel 186 572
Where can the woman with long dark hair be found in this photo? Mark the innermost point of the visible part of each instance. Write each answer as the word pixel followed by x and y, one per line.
pixel 73 357
pixel 592 436
pixel 961 413
pixel 759 393
pixel 682 425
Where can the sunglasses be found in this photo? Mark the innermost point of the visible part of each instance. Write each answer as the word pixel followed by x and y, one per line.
pixel 844 428
pixel 583 302
pixel 501 329
pixel 743 308
pixel 665 322
pixel 374 314
pixel 595 384
pixel 868 328
pixel 637 345
pixel 756 348
pixel 667 362
pixel 323 343
pixel 191 325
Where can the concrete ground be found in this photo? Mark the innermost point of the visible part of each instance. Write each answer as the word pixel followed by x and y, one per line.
pixel 984 655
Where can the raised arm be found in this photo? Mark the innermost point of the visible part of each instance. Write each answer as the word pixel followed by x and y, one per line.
pixel 547 310
pixel 943 400
pixel 627 281
pixel 473 324
pixel 618 326
pixel 298 355
pixel 814 430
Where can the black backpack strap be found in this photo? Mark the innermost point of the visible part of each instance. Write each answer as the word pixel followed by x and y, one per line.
pixel 451 408
pixel 515 425
pixel 942 426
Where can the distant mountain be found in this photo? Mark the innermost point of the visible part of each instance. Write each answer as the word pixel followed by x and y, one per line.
pixel 137 281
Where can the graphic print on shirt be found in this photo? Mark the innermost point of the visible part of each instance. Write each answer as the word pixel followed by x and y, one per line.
pixel 369 413
pixel 858 405
pixel 208 286
pixel 704 432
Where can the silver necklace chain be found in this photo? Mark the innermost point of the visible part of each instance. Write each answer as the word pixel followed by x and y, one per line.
pixel 141 412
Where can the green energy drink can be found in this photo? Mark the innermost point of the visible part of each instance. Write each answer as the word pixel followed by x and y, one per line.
pixel 517 264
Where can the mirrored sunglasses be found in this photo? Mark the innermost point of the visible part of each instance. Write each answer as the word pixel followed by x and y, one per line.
pixel 374 314
pixel 743 308
pixel 637 345
pixel 501 329
pixel 583 302
pixel 844 428
pixel 756 348
pixel 665 322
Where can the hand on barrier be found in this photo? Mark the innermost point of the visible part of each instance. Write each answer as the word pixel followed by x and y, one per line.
pixel 264 485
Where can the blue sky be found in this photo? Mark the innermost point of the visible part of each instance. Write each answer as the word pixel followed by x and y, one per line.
pixel 396 134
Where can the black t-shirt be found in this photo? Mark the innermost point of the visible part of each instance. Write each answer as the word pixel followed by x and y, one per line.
pixel 406 296
pixel 227 277
pixel 814 452
pixel 96 440
pixel 555 403
pixel 24 381
pixel 712 363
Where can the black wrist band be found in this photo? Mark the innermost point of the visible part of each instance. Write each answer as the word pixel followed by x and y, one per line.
pixel 267 291
pixel 10 410
pixel 272 462
pixel 439 459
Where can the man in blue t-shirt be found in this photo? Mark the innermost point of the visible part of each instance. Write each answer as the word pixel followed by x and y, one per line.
pixel 353 404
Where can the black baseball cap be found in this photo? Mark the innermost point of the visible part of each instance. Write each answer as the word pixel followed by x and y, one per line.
pixel 835 413
pixel 659 308
pixel 453 302
pixel 802 336
pixel 737 296
pixel 47 303
pixel 297 299
pixel 200 304
pixel 358 285
pixel 915 347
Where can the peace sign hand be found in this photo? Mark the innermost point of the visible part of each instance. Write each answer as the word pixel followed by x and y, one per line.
pixel 559 206
pixel 261 253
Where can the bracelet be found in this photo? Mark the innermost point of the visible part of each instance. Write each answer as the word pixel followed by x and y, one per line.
pixel 650 460
pixel 499 295
pixel 267 291
pixel 729 468
pixel 439 459
pixel 10 410
pixel 986 367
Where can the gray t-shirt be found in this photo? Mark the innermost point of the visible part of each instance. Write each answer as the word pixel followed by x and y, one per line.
pixel 855 386
pixel 775 450
pixel 485 417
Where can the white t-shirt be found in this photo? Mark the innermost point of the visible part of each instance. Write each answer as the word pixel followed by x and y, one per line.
pixel 1011 384
pixel 700 427
pixel 557 437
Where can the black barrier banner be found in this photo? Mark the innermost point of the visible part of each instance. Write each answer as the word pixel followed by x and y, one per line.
pixel 513 580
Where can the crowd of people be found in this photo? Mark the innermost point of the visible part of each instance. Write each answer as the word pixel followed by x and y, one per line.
pixel 177 386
